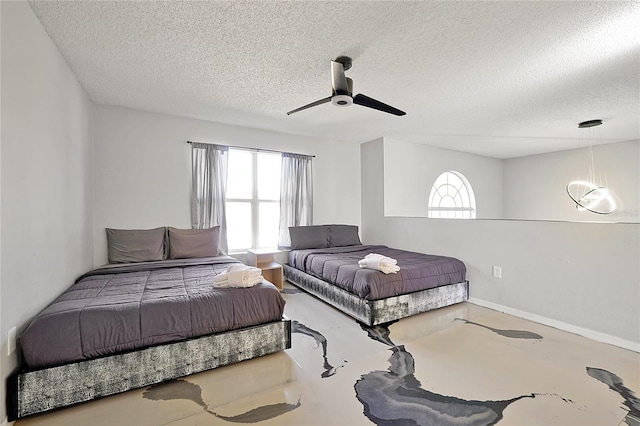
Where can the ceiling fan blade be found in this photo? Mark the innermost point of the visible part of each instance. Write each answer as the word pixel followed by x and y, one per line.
pixel 338 79
pixel 312 104
pixel 368 102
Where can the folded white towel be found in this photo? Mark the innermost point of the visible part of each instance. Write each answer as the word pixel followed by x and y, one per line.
pixel 384 259
pixel 251 271
pixel 379 262
pixel 372 260
pixel 226 283
pixel 238 275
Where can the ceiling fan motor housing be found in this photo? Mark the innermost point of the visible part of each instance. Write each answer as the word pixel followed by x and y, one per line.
pixel 342 91
pixel 342 100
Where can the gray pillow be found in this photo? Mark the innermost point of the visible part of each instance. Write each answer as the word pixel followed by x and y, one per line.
pixel 135 245
pixel 343 235
pixel 307 237
pixel 189 243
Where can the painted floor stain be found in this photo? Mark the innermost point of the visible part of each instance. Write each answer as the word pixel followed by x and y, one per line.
pixel 616 384
pixel 260 414
pixel 183 389
pixel 298 327
pixel 395 396
pixel 512 334
pixel 175 389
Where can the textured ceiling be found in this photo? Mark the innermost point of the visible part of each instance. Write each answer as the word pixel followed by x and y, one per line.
pixel 502 79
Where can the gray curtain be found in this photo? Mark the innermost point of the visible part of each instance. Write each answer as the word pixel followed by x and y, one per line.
pixel 208 188
pixel 296 194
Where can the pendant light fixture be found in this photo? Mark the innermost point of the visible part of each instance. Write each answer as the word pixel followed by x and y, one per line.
pixel 588 194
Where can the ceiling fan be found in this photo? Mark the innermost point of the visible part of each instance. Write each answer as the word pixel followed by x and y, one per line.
pixel 342 91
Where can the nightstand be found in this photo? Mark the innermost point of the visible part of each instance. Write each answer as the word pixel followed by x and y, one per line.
pixel 263 259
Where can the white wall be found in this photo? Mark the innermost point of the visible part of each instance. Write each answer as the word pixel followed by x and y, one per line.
pixel 46 170
pixel 535 186
pixel 2 344
pixel 411 169
pixel 525 188
pixel 585 275
pixel 143 169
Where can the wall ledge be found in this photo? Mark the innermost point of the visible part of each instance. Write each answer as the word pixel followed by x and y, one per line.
pixel 585 332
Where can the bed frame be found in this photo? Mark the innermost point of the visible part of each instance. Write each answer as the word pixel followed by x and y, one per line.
pixel 373 312
pixel 35 391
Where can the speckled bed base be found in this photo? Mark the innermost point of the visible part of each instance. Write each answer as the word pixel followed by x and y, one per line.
pixel 35 391
pixel 378 311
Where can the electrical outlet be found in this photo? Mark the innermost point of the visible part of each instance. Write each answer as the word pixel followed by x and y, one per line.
pixel 497 272
pixel 11 341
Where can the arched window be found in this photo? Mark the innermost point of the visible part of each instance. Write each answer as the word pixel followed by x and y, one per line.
pixel 452 197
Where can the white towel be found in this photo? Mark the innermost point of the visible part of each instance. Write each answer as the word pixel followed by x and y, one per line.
pixel 227 284
pixel 374 260
pixel 238 275
pixel 379 262
pixel 384 259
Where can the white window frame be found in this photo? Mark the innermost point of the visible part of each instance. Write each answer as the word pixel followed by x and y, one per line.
pixel 457 188
pixel 254 201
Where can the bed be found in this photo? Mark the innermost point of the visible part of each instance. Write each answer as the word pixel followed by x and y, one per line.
pixel 324 262
pixel 136 322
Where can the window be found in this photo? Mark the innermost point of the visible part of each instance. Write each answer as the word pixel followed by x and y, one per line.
pixel 452 197
pixel 252 199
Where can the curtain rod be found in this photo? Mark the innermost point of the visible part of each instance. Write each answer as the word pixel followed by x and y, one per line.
pixel 255 149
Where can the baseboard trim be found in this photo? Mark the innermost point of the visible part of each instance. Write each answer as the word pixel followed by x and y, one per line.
pixel 585 332
pixel 4 422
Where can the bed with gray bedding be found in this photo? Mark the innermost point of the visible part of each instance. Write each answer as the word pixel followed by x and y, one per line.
pixel 124 307
pixel 325 264
pixel 339 266
pixel 124 326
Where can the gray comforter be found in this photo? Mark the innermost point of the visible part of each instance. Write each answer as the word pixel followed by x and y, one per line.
pixel 130 306
pixel 339 266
